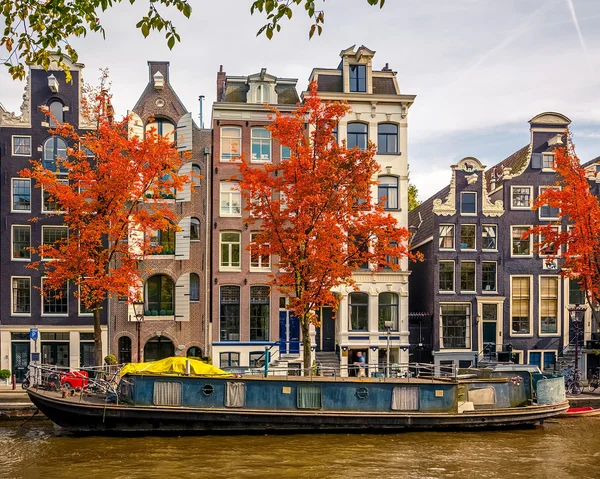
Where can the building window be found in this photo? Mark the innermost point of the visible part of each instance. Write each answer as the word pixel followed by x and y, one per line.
pixel 258 261
pixel 230 313
pixel 549 360
pixel 520 305
pixel 21 195
pixel 467 236
pixel 488 276
pixel 359 311
pixel 259 313
pixel 489 236
pixel 468 203
pixel 358 78
pixel 388 192
pixel 231 198
pixel 388 310
pixel 521 197
pixel 549 304
pixel 159 296
pixel 56 109
pixel 194 229
pixel 446 275
pixel 53 234
pixel 55 301
pixel 49 202
pixel 54 148
pixel 124 350
pixel 231 140
pixel 548 212
pixel 83 309
pixel 455 319
pixel 194 287
pixel 520 246
pixel 21 295
pixel 286 152
pixel 467 276
pixel 163 128
pixel 163 239
pixel 230 250
pixel 194 352
pixel 548 248
pixel 576 295
pixel 357 135
pixel 21 145
pixel 229 360
pixel 261 145
pixel 21 242
pixel 263 94
pixel 195 175
pixel 387 138
pixel 446 236
pixel 548 161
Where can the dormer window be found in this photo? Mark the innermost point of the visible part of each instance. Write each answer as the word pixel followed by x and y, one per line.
pixel 358 78
pixel 263 94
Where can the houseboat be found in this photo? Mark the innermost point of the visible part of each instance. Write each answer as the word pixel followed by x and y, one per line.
pixel 180 403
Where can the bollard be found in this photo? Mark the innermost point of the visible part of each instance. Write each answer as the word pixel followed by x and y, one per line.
pixel 14 382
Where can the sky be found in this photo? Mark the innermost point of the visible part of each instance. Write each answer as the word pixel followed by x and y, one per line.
pixel 480 68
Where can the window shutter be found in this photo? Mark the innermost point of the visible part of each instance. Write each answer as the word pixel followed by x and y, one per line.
pixel 536 161
pixel 182 239
pixel 182 298
pixel 135 240
pixel 184 133
pixel 135 291
pixel 135 126
pixel 185 194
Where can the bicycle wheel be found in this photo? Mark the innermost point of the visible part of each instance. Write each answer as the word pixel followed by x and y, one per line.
pixel 577 388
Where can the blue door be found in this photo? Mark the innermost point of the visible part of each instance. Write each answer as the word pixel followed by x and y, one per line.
pixel 294 323
pixel 283 332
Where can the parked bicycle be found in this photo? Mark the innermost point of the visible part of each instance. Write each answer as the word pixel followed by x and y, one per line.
pixel 573 383
pixel 594 381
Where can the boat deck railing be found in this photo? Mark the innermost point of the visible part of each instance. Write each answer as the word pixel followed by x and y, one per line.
pixel 101 379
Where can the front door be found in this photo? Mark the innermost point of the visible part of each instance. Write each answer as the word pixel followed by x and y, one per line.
pixel 289 333
pixel 56 354
pixel 327 330
pixel 20 360
pixel 490 329
pixel 283 339
pixel 294 323
pixel 86 354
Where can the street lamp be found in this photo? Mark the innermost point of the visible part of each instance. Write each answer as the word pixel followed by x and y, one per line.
pixel 575 312
pixel 138 311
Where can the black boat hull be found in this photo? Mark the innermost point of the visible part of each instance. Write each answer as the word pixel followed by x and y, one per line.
pixel 83 417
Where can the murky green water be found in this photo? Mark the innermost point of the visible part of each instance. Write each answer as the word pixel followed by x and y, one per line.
pixel 561 449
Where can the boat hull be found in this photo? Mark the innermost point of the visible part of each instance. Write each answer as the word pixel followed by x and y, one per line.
pixel 82 417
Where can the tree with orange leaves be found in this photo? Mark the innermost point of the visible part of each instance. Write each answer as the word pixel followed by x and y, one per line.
pixel 316 211
pixel 99 189
pixel 577 247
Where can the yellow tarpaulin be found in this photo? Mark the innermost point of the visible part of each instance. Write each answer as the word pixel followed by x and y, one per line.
pixel 174 365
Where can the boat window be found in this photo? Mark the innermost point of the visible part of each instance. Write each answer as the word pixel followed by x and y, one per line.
pixel 167 393
pixel 235 395
pixel 208 389
pixel 483 396
pixel 405 398
pixel 309 397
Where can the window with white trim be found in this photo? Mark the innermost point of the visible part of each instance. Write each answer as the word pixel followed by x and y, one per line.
pixel 446 237
pixel 258 261
pixel 21 242
pixel 21 295
pixel 467 276
pixel 521 246
pixel 549 304
pixel 467 236
pixel 520 304
pixel 387 191
pixel 488 276
pixel 49 203
pixel 21 195
pixel 231 141
pixel 455 328
pixel 194 229
pixel 194 287
pixel 261 145
pixel 548 212
pixel 548 161
pixel 21 145
pixel 468 203
pixel 446 276
pixel 286 152
pixel 55 301
pixel 231 243
pixel 55 148
pixel 522 197
pixel 51 235
pixel 548 248
pixel 231 199
pixel 489 237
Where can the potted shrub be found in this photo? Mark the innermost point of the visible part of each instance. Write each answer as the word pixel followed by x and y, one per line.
pixel 5 375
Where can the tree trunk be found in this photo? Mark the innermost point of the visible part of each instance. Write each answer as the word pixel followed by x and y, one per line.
pixel 98 360
pixel 306 346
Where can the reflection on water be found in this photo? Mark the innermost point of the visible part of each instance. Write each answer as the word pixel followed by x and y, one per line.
pixel 558 450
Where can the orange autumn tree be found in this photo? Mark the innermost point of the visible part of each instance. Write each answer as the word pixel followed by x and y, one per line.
pixel 316 212
pixel 99 188
pixel 578 247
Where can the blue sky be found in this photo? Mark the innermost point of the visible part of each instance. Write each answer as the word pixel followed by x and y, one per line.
pixel 480 68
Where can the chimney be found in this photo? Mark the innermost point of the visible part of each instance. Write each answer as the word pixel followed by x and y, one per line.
pixel 221 76
pixel 386 68
pixel 156 67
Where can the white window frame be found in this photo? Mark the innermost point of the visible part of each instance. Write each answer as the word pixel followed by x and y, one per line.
pixel 238 158
pixel 453 291
pixel 495 226
pixel 462 193
pixel 474 236
pixel 62 315
pixel 229 267
pixel 12 299
pixel 12 243
pixel 474 290
pixel 281 147
pixel 12 142
pixel 512 255
pixel 260 266
pixel 540 237
pixel 558 305
pixel 79 313
pixel 453 226
pixel 545 168
pixel 547 218
pixel 512 201
pixel 489 291
pixel 42 238
pixel 231 189
pixel 469 325
pixel 530 333
pixel 12 195
pixel 261 140
pixel 52 212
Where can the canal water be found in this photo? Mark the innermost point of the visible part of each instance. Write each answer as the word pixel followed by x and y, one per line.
pixel 561 449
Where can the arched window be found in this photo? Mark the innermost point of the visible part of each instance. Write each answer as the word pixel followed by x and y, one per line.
pixel 194 229
pixel 194 287
pixel 163 127
pixel 54 147
pixel 159 296
pixel 359 311
pixel 387 138
pixel 263 94
pixel 194 352
pixel 124 350
pixel 388 192
pixel 158 348
pixel 56 108
pixel 195 175
pixel 388 311
pixel 357 135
